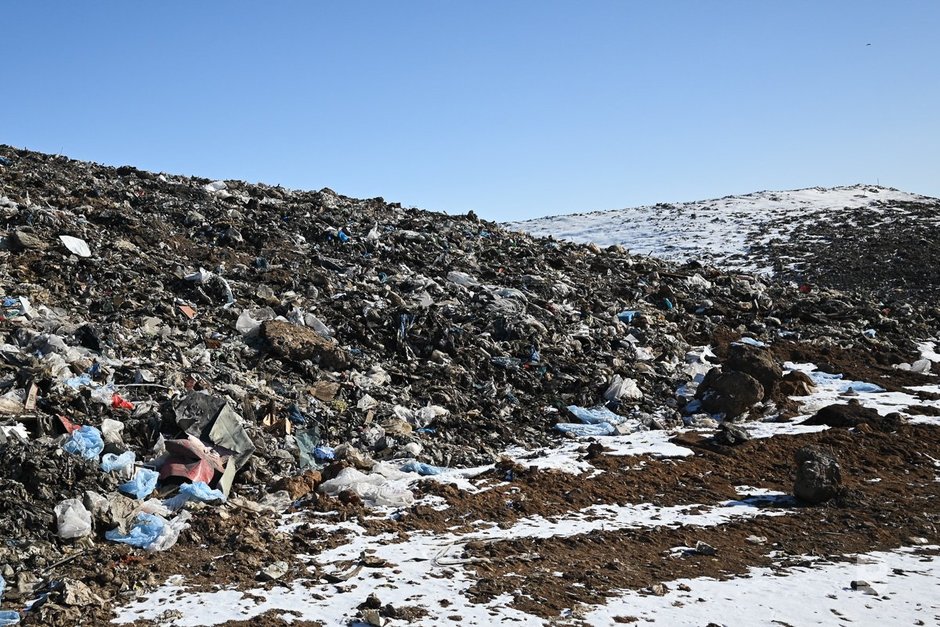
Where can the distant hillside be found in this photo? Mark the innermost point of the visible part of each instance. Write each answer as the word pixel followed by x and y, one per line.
pixel 860 237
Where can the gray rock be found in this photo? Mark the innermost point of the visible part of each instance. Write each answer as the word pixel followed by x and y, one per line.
pixel 731 435
pixel 757 362
pixel 273 571
pixel 818 477
pixel 731 393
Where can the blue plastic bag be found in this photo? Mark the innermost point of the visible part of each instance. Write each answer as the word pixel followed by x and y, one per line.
pixel 200 491
pixel 421 468
pixel 79 381
pixel 626 316
pixel 147 528
pixel 595 415
pixel 143 483
pixel 195 491
pixel 85 441
pixel 111 462
pixel 580 430
pixel 324 453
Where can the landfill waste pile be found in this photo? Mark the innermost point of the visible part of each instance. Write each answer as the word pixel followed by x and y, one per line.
pixel 188 364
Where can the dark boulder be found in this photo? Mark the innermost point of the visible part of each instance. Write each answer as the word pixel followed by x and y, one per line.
pixel 731 393
pixel 818 477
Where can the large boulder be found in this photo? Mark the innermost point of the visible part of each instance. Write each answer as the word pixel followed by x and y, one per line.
pixel 853 414
pixel 818 477
pixel 757 362
pixel 731 393
pixel 796 383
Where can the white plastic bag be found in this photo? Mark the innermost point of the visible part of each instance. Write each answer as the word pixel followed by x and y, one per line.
pixel 72 519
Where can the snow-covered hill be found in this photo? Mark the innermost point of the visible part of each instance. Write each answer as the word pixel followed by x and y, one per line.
pixel 722 231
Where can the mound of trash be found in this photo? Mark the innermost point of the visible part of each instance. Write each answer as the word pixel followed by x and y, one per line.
pixel 171 340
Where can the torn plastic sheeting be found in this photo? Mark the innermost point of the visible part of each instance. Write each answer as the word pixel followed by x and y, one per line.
pixel 199 470
pixel 215 186
pixel 142 485
pixel 595 415
pixel 421 468
pixel 307 442
pixel 151 532
pixel 85 441
pixel 196 411
pixel 16 431
pixel 212 418
pixel 75 245
pixel 192 448
pixel 111 462
pixel 586 430
pixel 229 432
pixel 824 378
pixel 374 489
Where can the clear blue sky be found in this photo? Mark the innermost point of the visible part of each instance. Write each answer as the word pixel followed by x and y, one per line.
pixel 512 109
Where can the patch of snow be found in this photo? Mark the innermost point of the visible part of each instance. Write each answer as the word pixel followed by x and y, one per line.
pixel 425 569
pixel 722 229
pixel 904 590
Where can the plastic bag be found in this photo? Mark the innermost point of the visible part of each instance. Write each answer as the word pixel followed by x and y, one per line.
pixel 111 462
pixel 85 441
pixel 246 323
pixel 580 430
pixel 196 491
pixel 374 489
pixel 72 519
pixel 75 245
pixel 421 468
pixel 621 388
pixel 143 483
pixel 112 430
pixel 324 453
pixel 595 415
pixel 79 381
pixel 118 402
pixel 151 532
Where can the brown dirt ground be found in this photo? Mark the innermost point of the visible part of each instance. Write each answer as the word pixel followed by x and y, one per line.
pixel 904 504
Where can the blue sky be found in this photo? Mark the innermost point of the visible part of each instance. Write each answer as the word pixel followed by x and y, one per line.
pixel 511 109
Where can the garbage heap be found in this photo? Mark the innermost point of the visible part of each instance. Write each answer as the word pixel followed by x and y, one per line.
pixel 203 340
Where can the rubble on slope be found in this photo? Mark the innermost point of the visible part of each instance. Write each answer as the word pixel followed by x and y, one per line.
pixel 213 341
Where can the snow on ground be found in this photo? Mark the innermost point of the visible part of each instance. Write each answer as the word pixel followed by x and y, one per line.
pixel 721 228
pixel 904 590
pixel 425 570
pixel 832 389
